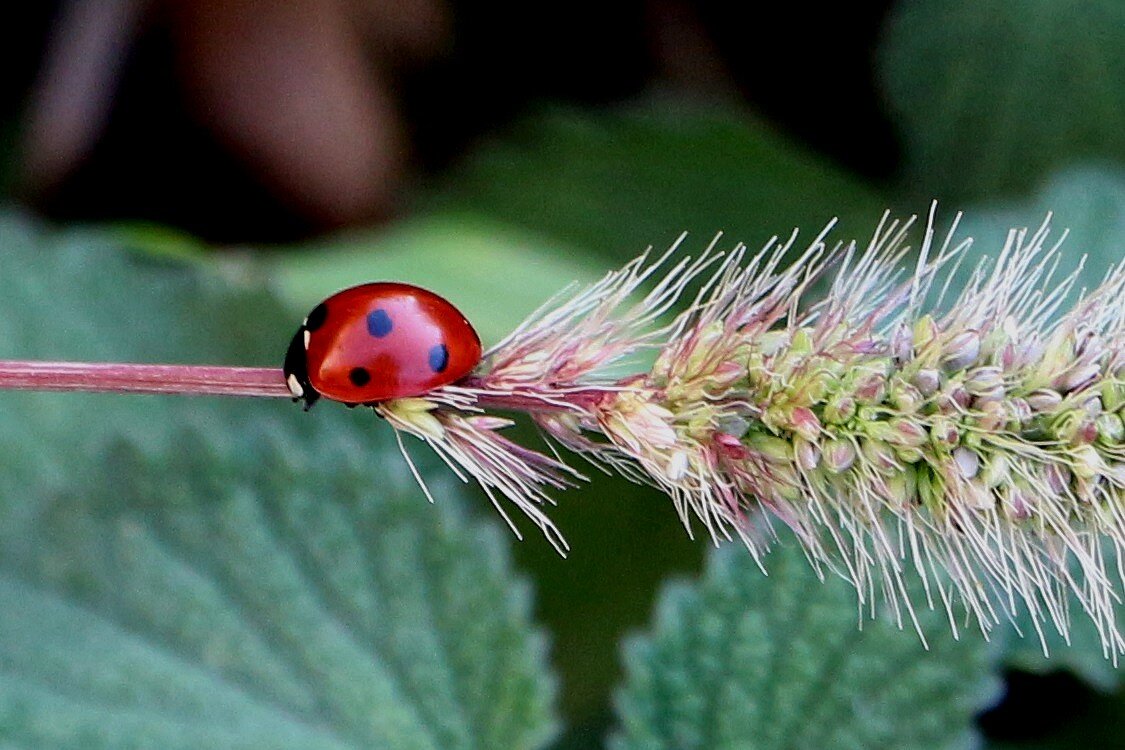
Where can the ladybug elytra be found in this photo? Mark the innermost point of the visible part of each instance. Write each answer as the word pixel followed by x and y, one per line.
pixel 380 341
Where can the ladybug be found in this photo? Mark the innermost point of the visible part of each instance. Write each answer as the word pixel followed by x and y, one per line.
pixel 379 341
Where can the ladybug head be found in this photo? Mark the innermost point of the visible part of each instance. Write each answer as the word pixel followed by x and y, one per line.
pixel 297 372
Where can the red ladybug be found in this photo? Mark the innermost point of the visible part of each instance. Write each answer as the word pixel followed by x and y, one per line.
pixel 379 341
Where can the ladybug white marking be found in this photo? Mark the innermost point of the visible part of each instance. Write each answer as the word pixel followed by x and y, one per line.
pixel 294 386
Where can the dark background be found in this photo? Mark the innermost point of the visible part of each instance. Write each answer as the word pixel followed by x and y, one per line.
pixel 160 152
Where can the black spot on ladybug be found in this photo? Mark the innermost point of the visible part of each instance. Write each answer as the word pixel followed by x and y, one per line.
pixel 379 323
pixel 316 318
pixel 439 357
pixel 359 376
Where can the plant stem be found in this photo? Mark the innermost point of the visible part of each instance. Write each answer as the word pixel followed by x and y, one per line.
pixel 187 380
pixel 518 402
pixel 207 380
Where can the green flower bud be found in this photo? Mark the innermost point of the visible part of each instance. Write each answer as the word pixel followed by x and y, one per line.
pixel 925 331
pixel 1086 463
pixel 815 387
pixel 838 455
pixel 1044 400
pixel 1113 394
pixel 901 489
pixel 906 433
pixel 870 426
pixel 839 409
pixel 904 397
pixel 802 344
pixel 772 448
pixel 1067 425
pixel 961 351
pixel 927 382
pixel 996 471
pixel 756 373
pixel 1111 429
pixel 806 452
pixel 931 490
pixel 871 388
pixel 986 383
pixel 944 433
pixel 880 455
pixel 787 484
pixel 909 455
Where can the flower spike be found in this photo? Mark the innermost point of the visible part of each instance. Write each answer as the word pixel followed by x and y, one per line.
pixel 978 444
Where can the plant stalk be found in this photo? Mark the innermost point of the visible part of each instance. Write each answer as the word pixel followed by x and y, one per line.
pixel 206 380
pixel 116 377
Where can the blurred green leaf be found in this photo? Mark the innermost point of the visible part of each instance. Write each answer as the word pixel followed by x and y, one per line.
pixel 230 573
pixel 616 182
pixel 740 660
pixel 1083 655
pixel 159 240
pixel 626 540
pixel 991 97
pixel 264 589
pixel 566 196
pixel 1088 203
pixel 74 295
pixel 494 272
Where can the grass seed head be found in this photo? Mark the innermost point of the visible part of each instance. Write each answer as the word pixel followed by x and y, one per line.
pixel 977 443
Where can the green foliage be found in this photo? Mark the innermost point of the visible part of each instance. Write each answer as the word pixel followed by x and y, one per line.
pixel 213 573
pixel 992 97
pixel 494 272
pixel 1087 202
pixel 616 182
pixel 744 661
pixel 191 572
pixel 1081 655
pixel 534 209
pixel 196 574
pixel 264 590
pixel 74 295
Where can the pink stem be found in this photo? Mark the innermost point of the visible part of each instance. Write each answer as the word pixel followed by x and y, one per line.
pixel 188 380
pixel 520 402
pixel 209 380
